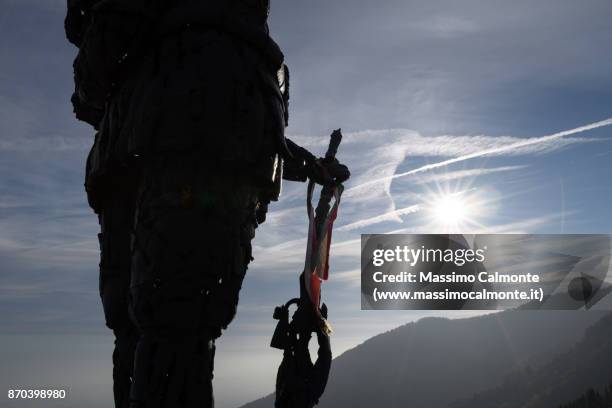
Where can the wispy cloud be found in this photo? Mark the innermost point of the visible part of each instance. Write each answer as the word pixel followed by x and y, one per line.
pixel 368 198
pixel 463 174
pixel 508 148
pixel 523 226
pixel 388 216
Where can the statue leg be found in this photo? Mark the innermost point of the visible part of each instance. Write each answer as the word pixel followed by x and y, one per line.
pixel 173 371
pixel 116 220
pixel 191 248
pixel 123 364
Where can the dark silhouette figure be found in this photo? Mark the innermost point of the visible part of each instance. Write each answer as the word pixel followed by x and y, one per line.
pixel 190 101
pixel 300 382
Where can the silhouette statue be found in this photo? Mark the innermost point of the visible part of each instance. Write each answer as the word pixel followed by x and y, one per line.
pixel 189 100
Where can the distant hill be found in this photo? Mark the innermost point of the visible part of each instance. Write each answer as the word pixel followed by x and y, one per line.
pixel 593 399
pixel 587 364
pixel 434 362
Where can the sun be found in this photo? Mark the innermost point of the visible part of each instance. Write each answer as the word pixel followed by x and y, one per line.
pixel 451 210
pixel 454 212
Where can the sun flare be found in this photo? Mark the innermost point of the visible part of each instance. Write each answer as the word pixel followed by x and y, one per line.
pixel 454 212
pixel 451 210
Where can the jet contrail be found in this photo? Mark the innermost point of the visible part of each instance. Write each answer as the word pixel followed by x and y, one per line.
pixel 459 174
pixel 380 218
pixel 494 150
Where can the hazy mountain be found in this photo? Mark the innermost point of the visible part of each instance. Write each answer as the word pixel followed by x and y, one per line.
pixel 587 364
pixel 592 399
pixel 435 361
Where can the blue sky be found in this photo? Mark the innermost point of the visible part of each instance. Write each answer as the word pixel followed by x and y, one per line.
pixel 411 83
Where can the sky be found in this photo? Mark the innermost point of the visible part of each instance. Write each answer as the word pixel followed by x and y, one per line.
pixel 496 109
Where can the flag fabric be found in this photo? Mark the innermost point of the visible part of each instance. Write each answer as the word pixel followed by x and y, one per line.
pixel 316 267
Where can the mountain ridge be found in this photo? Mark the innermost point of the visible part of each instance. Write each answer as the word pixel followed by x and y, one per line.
pixel 407 365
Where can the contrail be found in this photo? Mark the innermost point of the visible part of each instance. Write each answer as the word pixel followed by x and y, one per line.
pixel 494 150
pixel 380 218
pixel 459 174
